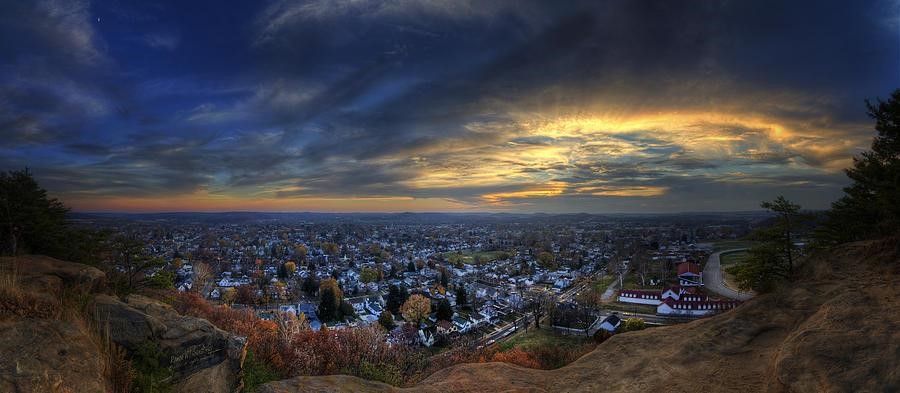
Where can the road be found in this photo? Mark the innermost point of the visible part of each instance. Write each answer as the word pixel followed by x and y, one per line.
pixel 502 332
pixel 610 291
pixel 509 329
pixel 715 282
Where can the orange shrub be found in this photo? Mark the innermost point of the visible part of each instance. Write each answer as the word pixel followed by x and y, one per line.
pixel 518 357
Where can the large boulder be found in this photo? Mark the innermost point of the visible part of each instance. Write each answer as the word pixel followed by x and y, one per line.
pixel 44 274
pixel 202 357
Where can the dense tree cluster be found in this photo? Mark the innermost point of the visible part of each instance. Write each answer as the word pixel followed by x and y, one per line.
pixel 397 295
pixel 871 206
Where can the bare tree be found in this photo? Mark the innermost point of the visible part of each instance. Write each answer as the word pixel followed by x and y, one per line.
pixel 289 324
pixel 539 304
pixel 642 265
pixel 202 274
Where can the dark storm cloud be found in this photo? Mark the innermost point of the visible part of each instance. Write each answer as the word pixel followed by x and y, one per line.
pixel 432 99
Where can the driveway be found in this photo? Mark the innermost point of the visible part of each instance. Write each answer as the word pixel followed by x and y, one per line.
pixel 714 281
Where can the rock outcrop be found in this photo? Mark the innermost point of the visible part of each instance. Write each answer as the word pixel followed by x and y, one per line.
pixel 834 331
pixel 202 357
pixel 43 349
pixel 45 355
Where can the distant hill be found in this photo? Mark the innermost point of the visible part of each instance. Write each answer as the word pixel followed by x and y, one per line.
pixel 838 330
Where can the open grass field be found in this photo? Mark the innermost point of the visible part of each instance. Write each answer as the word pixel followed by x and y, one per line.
pixel 601 284
pixel 732 258
pixel 469 256
pixel 732 244
pixel 536 338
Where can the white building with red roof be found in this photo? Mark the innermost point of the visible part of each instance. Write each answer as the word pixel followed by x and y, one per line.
pixel 654 298
pixel 689 274
pixel 694 305
pixel 640 297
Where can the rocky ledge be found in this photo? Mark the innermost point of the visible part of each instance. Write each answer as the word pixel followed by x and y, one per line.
pixel 44 351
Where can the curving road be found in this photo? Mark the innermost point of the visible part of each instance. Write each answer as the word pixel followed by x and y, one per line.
pixel 715 282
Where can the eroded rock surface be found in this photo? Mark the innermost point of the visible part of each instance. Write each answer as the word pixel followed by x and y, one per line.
pixel 41 355
pixel 191 347
pixel 43 351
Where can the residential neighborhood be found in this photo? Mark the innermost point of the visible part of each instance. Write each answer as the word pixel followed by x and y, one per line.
pixel 487 272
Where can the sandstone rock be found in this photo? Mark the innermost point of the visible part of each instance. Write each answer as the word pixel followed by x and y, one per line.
pixel 49 275
pixel 42 355
pixel 39 352
pixel 202 357
pixel 128 326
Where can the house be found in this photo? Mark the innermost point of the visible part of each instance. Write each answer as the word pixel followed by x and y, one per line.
pixel 694 305
pixel 611 323
pixel 426 337
pixel 288 308
pixel 676 292
pixel 308 309
pixel 185 286
pixel 359 305
pixel 478 319
pixel 562 283
pixel 640 297
pixel 445 327
pixel 374 308
pixel 689 274
pixel 462 324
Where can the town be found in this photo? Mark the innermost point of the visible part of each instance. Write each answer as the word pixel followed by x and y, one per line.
pixel 482 277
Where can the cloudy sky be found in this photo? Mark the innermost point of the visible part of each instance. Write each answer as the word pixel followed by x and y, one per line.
pixel 403 105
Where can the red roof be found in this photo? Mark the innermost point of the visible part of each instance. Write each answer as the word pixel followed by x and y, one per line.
pixel 688 267
pixel 702 305
pixel 681 290
pixel 636 293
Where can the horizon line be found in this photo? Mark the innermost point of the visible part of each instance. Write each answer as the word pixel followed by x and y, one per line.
pixel 426 212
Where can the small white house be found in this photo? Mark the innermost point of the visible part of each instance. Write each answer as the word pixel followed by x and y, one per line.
pixel 462 324
pixel 426 338
pixel 611 323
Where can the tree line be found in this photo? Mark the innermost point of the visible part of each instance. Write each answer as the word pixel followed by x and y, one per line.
pixel 869 208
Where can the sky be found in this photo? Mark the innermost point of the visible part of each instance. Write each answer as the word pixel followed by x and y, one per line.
pixel 517 106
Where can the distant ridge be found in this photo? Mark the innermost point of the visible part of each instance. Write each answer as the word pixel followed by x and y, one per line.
pixel 416 217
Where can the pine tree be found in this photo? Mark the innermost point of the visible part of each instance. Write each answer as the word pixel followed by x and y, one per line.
pixel 461 300
pixel 327 309
pixel 30 221
pixel 871 206
pixel 444 310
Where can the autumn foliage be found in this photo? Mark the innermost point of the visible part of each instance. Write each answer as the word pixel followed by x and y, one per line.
pixel 518 357
pixel 289 348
